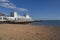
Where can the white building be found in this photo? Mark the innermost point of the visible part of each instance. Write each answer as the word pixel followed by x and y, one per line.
pixel 15 17
pixel 2 17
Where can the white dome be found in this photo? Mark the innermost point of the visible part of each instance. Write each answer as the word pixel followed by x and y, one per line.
pixel 27 16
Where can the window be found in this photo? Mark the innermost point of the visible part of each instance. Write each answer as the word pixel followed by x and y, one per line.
pixel 0 18
pixel 4 18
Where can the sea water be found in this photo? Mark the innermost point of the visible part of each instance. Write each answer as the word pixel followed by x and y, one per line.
pixel 48 23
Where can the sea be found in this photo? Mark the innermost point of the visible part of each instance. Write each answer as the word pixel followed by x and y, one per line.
pixel 48 23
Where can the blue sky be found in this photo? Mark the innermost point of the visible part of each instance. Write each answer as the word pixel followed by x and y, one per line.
pixel 37 9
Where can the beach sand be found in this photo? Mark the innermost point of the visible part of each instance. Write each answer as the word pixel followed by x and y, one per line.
pixel 28 32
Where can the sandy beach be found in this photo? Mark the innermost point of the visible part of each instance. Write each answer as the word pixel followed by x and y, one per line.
pixel 28 32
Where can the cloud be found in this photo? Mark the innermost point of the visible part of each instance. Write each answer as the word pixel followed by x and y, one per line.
pixel 22 9
pixel 8 4
pixel 4 1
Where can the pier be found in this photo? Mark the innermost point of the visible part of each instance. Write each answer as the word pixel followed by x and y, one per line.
pixel 14 18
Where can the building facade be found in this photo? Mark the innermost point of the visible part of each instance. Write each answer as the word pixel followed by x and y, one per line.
pixel 15 17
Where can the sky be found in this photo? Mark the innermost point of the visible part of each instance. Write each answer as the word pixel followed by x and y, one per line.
pixel 37 9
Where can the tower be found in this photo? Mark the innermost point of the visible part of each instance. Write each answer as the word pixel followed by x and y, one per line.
pixel 14 14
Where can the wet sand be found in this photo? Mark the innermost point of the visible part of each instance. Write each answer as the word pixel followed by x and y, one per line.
pixel 28 32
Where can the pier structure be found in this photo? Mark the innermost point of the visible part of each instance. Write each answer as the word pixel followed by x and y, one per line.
pixel 15 18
